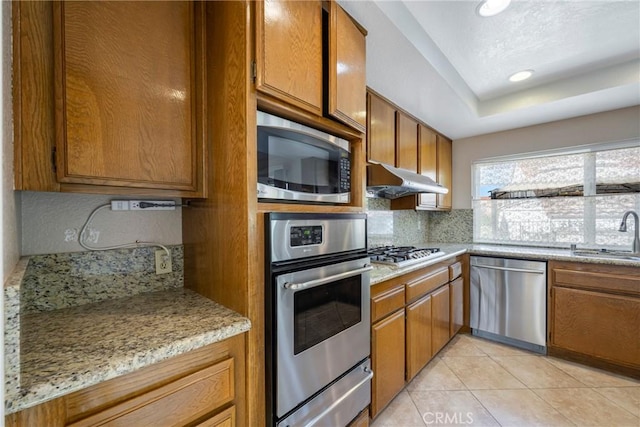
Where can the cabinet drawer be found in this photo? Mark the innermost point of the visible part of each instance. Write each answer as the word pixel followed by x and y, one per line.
pixel 427 283
pixel 387 302
pixel 596 280
pixel 176 403
pixel 455 270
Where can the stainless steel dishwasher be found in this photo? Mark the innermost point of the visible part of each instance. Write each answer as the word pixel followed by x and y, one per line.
pixel 509 301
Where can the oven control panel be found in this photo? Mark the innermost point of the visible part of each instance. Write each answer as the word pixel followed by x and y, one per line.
pixel 305 235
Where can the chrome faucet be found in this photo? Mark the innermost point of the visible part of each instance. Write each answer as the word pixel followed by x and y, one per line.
pixel 623 227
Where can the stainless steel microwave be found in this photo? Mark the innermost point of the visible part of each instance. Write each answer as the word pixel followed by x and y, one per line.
pixel 297 163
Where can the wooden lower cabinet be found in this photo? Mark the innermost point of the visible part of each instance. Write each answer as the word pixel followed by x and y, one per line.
pixel 456 296
pixel 362 420
pixel 204 387
pixel 594 315
pixel 226 418
pixel 597 324
pixel 387 359
pixel 411 322
pixel 440 319
pixel 418 339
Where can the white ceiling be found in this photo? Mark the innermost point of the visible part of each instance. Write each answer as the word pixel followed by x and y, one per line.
pixel 450 67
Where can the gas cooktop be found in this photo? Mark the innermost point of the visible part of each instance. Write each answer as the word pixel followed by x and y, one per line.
pixel 401 256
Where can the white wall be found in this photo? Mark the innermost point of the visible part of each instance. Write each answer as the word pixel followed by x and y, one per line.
pixel 48 218
pixel 609 126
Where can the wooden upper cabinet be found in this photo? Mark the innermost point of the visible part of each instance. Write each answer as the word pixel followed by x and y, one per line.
pixel 435 157
pixel 444 170
pixel 289 52
pixel 428 165
pixel 347 92
pixel 406 142
pixel 128 84
pixel 381 130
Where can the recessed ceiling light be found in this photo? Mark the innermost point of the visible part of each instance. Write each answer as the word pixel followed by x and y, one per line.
pixel 521 75
pixel 492 7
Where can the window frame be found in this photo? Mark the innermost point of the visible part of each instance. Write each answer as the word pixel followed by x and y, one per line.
pixel 589 196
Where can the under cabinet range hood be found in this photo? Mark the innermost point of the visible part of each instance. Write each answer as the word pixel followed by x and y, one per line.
pixel 391 183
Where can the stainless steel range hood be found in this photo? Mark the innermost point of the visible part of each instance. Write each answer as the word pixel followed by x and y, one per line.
pixel 390 183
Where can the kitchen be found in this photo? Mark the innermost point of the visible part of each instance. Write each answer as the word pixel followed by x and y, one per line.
pixel 232 220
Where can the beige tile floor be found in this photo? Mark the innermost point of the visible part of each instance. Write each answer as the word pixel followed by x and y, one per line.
pixel 477 382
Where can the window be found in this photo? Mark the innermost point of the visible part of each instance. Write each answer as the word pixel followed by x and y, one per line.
pixel 558 198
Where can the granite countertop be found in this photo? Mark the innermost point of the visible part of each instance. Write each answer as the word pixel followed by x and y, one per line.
pixel 66 350
pixel 383 272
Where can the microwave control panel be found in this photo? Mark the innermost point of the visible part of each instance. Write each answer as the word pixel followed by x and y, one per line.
pixel 305 235
pixel 345 173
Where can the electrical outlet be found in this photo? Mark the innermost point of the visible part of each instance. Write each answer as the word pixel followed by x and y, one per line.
pixel 119 205
pixel 152 205
pixel 163 262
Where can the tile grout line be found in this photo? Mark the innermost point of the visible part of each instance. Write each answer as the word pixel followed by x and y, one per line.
pixel 493 417
pixel 517 379
pixel 595 389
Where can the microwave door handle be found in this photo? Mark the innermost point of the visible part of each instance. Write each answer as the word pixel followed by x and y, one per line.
pixel 324 280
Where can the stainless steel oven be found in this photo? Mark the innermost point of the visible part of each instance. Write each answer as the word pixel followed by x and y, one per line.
pixel 317 319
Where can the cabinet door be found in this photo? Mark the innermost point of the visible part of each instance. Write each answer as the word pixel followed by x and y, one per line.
pixel 289 52
pixel 597 324
pixel 406 142
pixel 128 107
pixel 381 130
pixel 387 358
pixel 444 170
pixel 456 290
pixel 361 420
pixel 418 336
pixel 347 62
pixel 440 318
pixel 226 418
pixel 427 153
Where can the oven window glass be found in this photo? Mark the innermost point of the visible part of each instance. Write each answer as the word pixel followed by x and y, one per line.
pixel 297 166
pixel 324 311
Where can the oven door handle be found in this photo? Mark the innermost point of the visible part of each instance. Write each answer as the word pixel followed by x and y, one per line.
pixel 324 280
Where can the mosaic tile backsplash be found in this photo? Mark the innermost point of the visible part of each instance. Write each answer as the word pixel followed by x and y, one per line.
pixel 64 280
pixel 451 227
pixel 409 227
pixel 387 227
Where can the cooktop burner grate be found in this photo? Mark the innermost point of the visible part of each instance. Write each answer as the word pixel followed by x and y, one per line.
pixel 402 255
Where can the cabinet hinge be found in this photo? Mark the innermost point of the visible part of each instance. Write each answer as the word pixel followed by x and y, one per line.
pixel 254 71
pixel 53 159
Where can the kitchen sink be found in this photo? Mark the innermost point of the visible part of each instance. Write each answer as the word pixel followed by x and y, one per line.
pixel 604 253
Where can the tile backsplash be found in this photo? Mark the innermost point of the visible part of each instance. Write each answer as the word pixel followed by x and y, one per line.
pixel 455 226
pixel 409 227
pixel 400 227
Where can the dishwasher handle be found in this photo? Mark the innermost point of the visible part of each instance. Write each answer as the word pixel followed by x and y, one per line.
pixel 517 270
